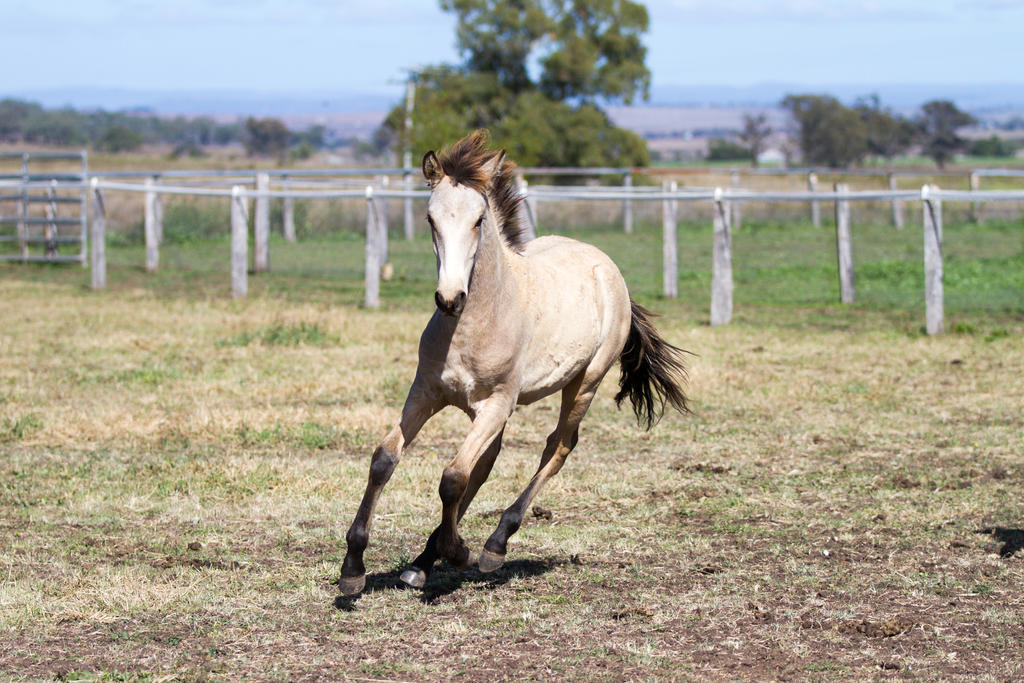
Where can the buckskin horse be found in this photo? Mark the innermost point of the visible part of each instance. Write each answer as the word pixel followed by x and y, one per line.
pixel 516 320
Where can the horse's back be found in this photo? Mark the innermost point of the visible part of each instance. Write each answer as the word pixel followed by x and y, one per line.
pixel 579 305
pixel 570 258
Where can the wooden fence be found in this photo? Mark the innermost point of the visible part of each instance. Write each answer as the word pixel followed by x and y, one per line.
pixel 725 203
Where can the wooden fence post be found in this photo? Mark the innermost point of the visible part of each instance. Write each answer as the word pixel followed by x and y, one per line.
pixel 531 208
pixel 844 246
pixel 50 231
pixel 98 237
pixel 261 226
pixel 159 213
pixel 373 263
pixel 150 226
pixel 531 205
pixel 382 206
pixel 812 186
pixel 239 244
pixel 975 184
pixel 23 210
pixel 721 270
pixel 897 205
pixel 288 212
pixel 669 252
pixel 737 212
pixel 627 204
pixel 933 304
pixel 410 226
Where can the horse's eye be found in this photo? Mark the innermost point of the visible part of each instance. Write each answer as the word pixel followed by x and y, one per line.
pixel 479 222
pixel 430 221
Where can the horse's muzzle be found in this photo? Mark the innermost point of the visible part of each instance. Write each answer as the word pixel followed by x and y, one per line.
pixel 452 307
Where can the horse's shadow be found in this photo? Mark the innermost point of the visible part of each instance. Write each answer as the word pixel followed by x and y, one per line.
pixel 445 580
pixel 1012 539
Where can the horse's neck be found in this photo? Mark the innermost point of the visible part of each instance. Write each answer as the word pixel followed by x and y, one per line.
pixel 493 280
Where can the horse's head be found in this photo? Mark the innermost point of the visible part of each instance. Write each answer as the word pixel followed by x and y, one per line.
pixel 456 212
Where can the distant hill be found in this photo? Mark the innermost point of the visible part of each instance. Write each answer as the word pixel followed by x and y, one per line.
pixel 208 102
pixel 674 111
pixel 970 96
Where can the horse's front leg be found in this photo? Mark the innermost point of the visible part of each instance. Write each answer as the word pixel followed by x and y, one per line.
pixel 416 573
pixel 487 426
pixel 419 406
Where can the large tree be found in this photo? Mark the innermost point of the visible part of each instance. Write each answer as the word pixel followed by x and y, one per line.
pixel 888 134
pixel 583 53
pixel 586 48
pixel 830 133
pixel 939 122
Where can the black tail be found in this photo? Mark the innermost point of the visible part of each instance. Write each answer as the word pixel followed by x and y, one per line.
pixel 652 370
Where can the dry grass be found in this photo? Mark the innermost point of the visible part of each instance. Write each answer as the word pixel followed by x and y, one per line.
pixel 177 475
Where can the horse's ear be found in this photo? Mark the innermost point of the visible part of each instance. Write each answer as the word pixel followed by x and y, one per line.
pixel 492 166
pixel 432 170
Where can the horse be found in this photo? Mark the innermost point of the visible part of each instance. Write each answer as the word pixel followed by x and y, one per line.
pixel 516 319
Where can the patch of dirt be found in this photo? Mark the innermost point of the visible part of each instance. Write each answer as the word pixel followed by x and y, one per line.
pixel 199 563
pixel 640 611
pixel 703 467
pixel 877 629
pixel 760 613
pixel 902 481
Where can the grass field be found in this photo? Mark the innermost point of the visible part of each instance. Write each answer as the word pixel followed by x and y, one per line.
pixel 178 470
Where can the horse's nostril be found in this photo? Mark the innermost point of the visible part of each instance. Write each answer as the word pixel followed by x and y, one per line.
pixel 450 307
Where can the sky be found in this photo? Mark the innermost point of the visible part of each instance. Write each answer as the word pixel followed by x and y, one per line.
pixel 366 46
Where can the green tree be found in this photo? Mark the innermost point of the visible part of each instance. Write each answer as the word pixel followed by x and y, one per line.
pixel 119 138
pixel 755 131
pixel 888 134
pixel 939 122
pixel 14 118
pixel 266 137
pixel 586 48
pixel 588 51
pixel 312 136
pixel 830 133
pixel 62 127
pixel 541 132
pixel 993 146
pixel 720 149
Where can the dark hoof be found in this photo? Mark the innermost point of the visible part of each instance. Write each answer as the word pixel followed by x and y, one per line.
pixel 414 577
pixel 489 561
pixel 352 585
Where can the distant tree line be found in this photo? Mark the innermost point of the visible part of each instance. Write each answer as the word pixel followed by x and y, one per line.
pixel 832 134
pixel 30 123
pixel 829 133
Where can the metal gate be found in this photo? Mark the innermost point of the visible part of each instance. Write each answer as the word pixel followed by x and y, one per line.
pixel 40 221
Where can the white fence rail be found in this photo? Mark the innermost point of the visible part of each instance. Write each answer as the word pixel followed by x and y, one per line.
pixel 724 201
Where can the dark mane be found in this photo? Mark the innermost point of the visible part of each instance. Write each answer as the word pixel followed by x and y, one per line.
pixel 464 164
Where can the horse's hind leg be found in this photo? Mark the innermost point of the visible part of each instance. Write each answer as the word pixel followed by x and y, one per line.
pixel 419 406
pixel 576 399
pixel 417 572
